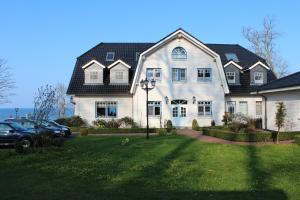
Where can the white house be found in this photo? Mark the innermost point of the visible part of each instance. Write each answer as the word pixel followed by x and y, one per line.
pixel 194 80
pixel 286 90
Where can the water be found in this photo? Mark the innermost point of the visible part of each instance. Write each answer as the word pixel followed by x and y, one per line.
pixel 24 112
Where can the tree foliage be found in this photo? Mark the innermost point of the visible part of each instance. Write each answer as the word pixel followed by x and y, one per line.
pixel 6 82
pixel 263 42
pixel 280 116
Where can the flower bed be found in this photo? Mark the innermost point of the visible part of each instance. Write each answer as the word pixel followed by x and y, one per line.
pixel 261 136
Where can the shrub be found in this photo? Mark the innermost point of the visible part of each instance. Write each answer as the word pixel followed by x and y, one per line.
pixel 125 141
pixel 297 139
pixel 101 123
pixel 113 124
pixel 169 126
pixel 213 123
pixel 195 125
pixel 127 122
pixel 84 132
pixel 42 140
pixel 236 126
pixel 162 132
pixel 119 130
pixel 71 121
pixel 226 118
pixel 174 132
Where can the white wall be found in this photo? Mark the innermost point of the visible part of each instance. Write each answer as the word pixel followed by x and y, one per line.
pixel 119 68
pixel 291 99
pixel 86 107
pixel 203 91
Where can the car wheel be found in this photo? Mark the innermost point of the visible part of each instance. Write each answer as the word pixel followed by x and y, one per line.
pixel 25 143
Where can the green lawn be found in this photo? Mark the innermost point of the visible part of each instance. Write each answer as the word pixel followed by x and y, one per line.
pixel 172 167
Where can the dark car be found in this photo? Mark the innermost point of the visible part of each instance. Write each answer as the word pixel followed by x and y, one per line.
pixel 33 126
pixel 65 129
pixel 12 133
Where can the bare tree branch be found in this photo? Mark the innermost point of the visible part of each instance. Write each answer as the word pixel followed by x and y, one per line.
pixel 61 96
pixel 6 82
pixel 263 44
pixel 44 102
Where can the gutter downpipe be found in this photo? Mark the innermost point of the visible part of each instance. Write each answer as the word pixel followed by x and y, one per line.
pixel 266 119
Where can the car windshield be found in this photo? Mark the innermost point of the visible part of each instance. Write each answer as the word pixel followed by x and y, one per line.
pixel 17 127
pixel 54 123
pixel 29 124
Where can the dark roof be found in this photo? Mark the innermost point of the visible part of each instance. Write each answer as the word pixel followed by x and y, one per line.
pixel 127 53
pixel 287 81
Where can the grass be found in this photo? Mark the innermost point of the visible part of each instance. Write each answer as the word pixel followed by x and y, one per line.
pixel 171 167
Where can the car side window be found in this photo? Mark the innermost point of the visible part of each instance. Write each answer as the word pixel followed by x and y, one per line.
pixel 4 128
pixel 28 125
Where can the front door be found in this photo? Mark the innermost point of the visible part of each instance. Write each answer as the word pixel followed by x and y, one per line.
pixel 179 112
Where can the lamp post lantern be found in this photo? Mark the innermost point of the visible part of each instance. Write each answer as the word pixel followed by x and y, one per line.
pixel 147 86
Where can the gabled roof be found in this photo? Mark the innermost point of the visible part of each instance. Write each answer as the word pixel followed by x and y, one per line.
pixel 126 52
pixel 289 82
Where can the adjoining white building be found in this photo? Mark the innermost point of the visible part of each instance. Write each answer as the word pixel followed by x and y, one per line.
pixel 286 90
pixel 194 80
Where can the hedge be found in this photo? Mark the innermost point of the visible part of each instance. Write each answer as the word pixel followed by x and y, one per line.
pixel 113 130
pixel 263 136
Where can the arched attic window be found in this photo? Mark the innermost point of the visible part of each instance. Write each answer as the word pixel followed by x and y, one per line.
pixel 179 53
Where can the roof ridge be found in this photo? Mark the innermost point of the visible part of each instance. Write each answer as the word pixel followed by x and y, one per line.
pixel 282 78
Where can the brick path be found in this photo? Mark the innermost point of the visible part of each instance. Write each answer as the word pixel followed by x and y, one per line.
pixel 209 139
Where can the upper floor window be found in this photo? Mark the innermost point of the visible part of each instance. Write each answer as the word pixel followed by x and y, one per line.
pixel 178 74
pixel 179 53
pixel 119 75
pixel 230 77
pixel 232 56
pixel 204 74
pixel 258 77
pixel 153 73
pixel 110 56
pixel 94 76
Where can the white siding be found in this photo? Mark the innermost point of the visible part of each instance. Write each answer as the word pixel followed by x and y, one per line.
pixel 119 68
pixel 86 107
pixel 203 91
pixel 291 99
pixel 93 68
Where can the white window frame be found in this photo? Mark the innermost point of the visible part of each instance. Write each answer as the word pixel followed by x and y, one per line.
pixel 204 71
pixel 240 107
pixel 176 55
pixel 119 75
pixel 258 74
pixel 228 104
pixel 178 72
pixel 154 105
pixel 260 104
pixel 230 74
pixel 94 76
pixel 106 105
pixel 153 71
pixel 113 56
pixel 204 105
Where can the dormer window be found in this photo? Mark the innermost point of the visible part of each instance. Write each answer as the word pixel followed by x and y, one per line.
pixel 179 53
pixel 232 56
pixel 258 77
pixel 94 76
pixel 230 77
pixel 110 56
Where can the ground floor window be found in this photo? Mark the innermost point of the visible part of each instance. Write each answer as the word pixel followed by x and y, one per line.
pixel 106 109
pixel 154 108
pixel 258 108
pixel 231 105
pixel 204 108
pixel 244 107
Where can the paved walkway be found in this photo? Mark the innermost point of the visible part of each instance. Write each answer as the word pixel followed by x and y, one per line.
pixel 209 139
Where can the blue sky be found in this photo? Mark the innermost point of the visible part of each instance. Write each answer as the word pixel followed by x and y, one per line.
pixel 40 40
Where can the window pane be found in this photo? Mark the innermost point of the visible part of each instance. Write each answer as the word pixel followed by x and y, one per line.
pixel 100 112
pixel 149 74
pixel 244 107
pixel 175 74
pixel 119 75
pixel 258 108
pixel 150 110
pixel 179 53
pixel 231 107
pixel 182 74
pixel 200 110
pixel 183 112
pixel 175 112
pixel 110 56
pixel 112 111
pixel 157 111
pixel 94 75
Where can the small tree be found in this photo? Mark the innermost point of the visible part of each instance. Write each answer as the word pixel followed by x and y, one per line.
pixel 61 96
pixel 6 82
pixel 280 117
pixel 44 102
